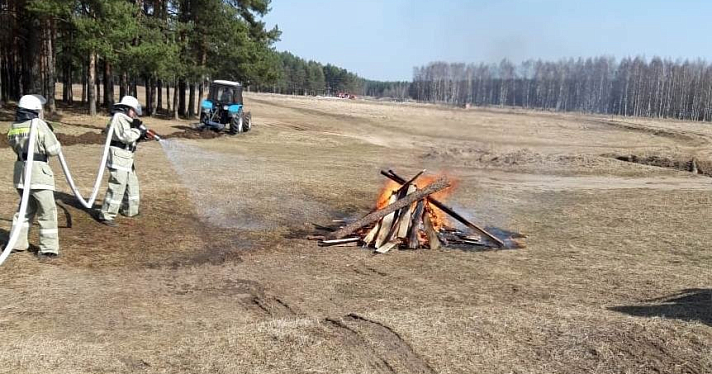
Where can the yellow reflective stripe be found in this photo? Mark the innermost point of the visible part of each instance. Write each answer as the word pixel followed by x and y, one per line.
pixel 19 131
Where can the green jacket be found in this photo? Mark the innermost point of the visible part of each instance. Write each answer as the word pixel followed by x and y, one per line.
pixel 45 144
pixel 119 158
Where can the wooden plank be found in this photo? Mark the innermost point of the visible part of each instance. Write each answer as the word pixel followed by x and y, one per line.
pixel 470 242
pixel 436 186
pixel 406 216
pixel 416 222
pixel 392 175
pixel 410 182
pixel 476 238
pixel 387 247
pixel 403 215
pixel 399 214
pixel 433 239
pixel 386 224
pixel 371 236
pixel 344 245
pixel 340 241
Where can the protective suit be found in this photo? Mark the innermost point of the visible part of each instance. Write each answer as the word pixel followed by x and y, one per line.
pixel 41 203
pixel 123 195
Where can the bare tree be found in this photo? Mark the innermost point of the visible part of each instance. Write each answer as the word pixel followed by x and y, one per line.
pixel 632 87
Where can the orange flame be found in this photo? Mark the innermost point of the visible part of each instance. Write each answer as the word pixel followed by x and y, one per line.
pixel 441 195
pixel 437 217
pixel 389 189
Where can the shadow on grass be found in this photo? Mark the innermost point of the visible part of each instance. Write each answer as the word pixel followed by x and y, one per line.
pixel 693 304
pixel 66 216
pixel 71 200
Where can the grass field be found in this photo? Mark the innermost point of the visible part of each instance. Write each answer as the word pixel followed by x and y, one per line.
pixel 215 276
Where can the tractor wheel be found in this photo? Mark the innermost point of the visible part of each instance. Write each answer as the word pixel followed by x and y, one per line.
pixel 247 125
pixel 236 124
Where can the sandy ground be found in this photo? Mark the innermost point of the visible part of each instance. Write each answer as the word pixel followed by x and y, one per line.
pixel 215 276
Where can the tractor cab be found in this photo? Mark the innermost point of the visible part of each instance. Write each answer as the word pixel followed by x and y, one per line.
pixel 225 92
pixel 223 109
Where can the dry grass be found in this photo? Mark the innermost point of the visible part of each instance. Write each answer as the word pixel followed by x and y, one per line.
pixel 214 276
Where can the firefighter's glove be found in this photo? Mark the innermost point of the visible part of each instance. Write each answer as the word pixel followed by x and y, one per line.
pixel 136 123
pixel 144 133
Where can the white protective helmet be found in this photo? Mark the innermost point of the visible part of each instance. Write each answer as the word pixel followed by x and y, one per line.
pixel 131 102
pixel 32 102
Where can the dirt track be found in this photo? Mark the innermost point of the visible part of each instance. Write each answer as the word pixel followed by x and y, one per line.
pixel 214 276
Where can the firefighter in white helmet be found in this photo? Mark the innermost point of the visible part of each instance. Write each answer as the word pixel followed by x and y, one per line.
pixel 41 203
pixel 122 196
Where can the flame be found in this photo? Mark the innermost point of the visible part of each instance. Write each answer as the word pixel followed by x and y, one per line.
pixel 437 217
pixel 389 189
pixel 441 195
pixel 422 237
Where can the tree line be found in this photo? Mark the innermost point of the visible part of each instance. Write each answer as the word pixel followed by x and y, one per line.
pixel 398 90
pixel 298 76
pixel 173 47
pixel 170 47
pixel 636 86
pixel 108 45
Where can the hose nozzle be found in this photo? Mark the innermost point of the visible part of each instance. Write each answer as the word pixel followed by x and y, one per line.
pixel 152 135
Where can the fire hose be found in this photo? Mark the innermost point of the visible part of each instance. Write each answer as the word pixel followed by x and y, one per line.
pixel 16 228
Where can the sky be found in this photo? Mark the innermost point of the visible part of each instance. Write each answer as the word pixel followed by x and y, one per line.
pixel 385 39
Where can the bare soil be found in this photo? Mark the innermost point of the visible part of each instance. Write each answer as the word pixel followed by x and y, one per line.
pixel 215 276
pixel 677 162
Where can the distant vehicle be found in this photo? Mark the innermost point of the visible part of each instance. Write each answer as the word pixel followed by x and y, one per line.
pixel 344 95
pixel 223 110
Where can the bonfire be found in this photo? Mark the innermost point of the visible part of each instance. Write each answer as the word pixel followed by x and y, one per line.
pixel 409 214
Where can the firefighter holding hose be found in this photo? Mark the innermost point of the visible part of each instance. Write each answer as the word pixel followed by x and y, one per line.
pixel 122 196
pixel 41 201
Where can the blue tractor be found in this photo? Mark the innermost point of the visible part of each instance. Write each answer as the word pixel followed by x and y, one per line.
pixel 223 110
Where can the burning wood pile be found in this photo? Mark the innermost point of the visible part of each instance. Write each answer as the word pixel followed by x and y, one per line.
pixel 410 217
